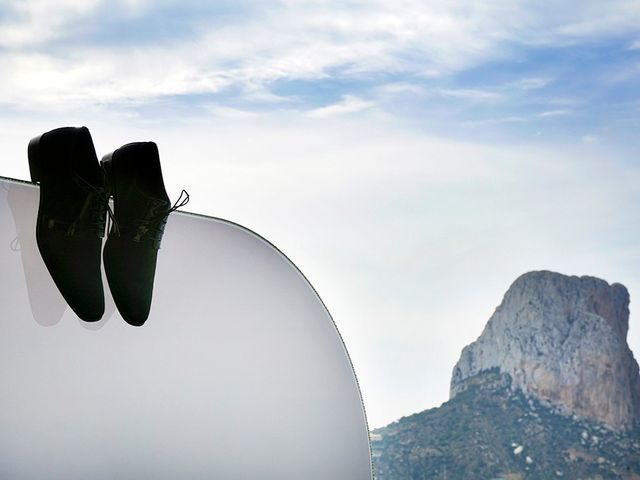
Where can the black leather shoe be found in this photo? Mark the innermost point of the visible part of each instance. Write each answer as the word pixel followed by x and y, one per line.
pixel 141 210
pixel 71 215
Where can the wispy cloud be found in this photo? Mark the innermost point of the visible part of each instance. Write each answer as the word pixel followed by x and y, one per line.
pixel 568 25
pixel 530 83
pixel 77 60
pixel 494 121
pixel 516 118
pixel 36 22
pixel 258 93
pixel 398 88
pixel 555 113
pixel 348 104
pixel 473 95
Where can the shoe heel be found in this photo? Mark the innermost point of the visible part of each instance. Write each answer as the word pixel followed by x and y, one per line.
pixel 35 161
pixel 107 166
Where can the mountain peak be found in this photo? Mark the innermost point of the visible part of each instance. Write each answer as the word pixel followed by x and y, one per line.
pixel 562 340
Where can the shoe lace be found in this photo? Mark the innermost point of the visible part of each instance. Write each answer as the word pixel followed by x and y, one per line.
pixel 95 208
pixel 152 225
pixel 92 214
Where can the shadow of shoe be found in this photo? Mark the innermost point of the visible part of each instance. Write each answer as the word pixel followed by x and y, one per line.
pixel 47 305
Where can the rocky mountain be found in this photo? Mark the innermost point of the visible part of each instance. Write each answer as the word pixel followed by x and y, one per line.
pixel 562 340
pixel 549 390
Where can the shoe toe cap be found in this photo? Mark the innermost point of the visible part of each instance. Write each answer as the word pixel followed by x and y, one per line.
pixel 74 265
pixel 130 269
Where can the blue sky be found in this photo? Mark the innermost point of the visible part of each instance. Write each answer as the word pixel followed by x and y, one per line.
pixel 412 157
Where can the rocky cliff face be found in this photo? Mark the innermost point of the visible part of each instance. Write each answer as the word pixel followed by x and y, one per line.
pixel 562 340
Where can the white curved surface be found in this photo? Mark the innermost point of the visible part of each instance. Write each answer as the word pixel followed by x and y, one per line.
pixel 239 372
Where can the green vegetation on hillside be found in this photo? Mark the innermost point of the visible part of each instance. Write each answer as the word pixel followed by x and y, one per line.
pixel 489 432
